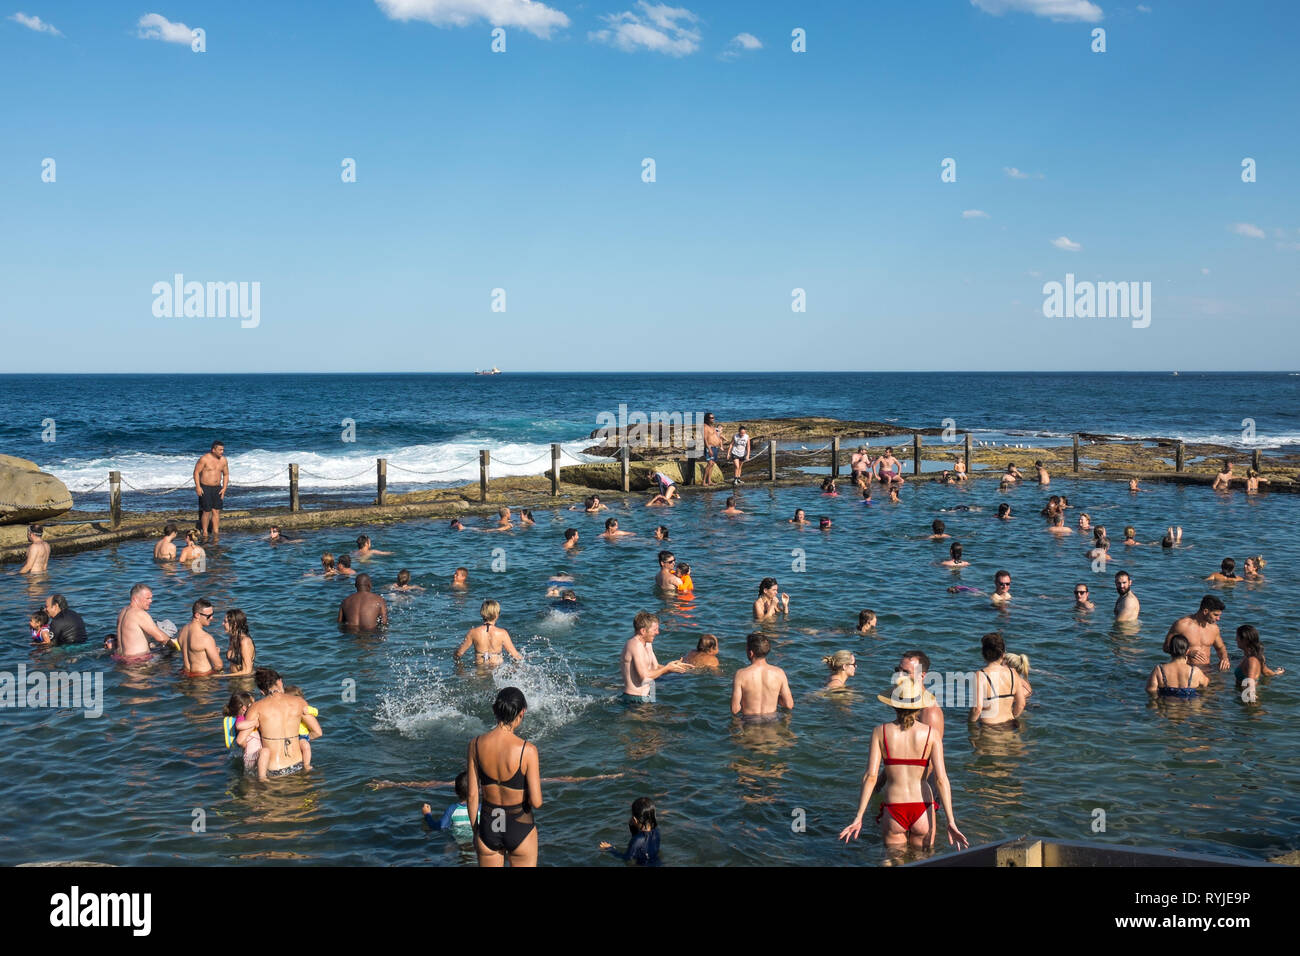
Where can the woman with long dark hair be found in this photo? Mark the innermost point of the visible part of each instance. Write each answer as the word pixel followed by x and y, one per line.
pixel 241 650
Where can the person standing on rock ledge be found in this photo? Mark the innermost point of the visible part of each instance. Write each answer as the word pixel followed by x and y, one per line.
pixel 38 552
pixel 211 479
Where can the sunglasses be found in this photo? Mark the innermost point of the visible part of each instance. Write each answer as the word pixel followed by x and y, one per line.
pixel 1004 584
pixel 1080 592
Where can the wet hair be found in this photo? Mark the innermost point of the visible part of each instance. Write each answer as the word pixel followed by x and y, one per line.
pixel 41 617
pixel 462 786
pixel 239 700
pixel 992 647
pixel 1003 509
pixel 921 656
pixel 731 501
pixel 866 492
pixel 35 529
pixel 403 577
pixel 570 534
pixel 663 531
pixel 192 535
pixel 265 679
pixel 526 513
pixel 327 561
pixel 1227 565
pixel 1129 532
pixel 610 523
pixel 707 644
pixel 295 691
pixel 664 556
pixel 1058 520
pixel 59 601
pixel 828 484
pixel 170 528
pixel 937 526
pixel 1179 646
pixel 838 661
pixel 489 610
pixel 1211 603
pixel 1123 574
pixel 238 622
pixel 1001 574
pixel 459 570
pixel 568 594
pixel 765 584
pixel 643 816
pixel 904 718
pixel 955 550
pixel 1167 541
pixel 683 568
pixel 202 604
pixel 865 616
pixel 344 561
pixel 362 583
pixel 142 587
pixel 758 644
pixel 1018 663
pixel 509 704
pixel 1038 464
pixel 455 524
pixel 362 540
pixel 1248 634
pixel 643 620
pixel 502 512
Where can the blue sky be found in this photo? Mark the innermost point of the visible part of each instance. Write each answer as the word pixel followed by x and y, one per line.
pixel 774 170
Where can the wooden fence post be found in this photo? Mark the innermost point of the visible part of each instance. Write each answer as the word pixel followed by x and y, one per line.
pixel 293 489
pixel 484 462
pixel 115 497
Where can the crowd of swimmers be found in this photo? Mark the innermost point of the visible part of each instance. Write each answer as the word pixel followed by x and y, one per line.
pixel 500 788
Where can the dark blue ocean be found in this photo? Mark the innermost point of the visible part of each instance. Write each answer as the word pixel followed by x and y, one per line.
pixel 430 427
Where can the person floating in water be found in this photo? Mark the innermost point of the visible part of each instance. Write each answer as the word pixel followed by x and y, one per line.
pixel 644 846
pixel 906 748
pixel 1081 602
pixel 570 539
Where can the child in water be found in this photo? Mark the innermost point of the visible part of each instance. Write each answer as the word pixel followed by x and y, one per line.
pixel 39 622
pixel 684 572
pixel 233 717
pixel 644 845
pixel 304 732
pixel 456 817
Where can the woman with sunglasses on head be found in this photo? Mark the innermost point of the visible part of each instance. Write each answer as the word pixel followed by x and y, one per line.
pixel 843 665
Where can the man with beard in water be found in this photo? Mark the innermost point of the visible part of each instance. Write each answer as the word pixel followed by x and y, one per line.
pixel 364 610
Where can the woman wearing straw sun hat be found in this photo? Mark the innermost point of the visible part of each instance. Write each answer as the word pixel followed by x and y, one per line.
pixel 906 748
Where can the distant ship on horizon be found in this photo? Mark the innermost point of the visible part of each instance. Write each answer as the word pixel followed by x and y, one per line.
pixel 492 371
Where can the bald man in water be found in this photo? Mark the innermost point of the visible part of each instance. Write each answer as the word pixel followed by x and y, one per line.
pixel 135 627
pixel 364 610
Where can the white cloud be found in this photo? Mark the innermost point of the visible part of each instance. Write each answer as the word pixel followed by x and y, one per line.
pixel 1063 242
pixel 1143 8
pixel 1247 230
pixel 154 26
pixel 974 214
pixel 747 41
pixel 35 23
pixel 1014 173
pixel 1204 271
pixel 537 18
pixel 1054 9
pixel 658 27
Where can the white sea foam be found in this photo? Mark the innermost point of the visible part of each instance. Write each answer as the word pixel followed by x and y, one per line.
pixel 346 468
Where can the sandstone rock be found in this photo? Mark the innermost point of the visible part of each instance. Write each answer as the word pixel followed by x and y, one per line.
pixel 608 476
pixel 28 494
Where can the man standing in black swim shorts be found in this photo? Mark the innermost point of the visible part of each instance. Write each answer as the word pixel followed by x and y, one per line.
pixel 712 442
pixel 211 479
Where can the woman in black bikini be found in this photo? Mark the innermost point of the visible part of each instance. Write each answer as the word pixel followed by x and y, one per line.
pixel 503 803
pixel 999 696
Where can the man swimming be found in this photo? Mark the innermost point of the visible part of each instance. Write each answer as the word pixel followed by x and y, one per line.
pixel 938 530
pixel 758 689
pixel 1223 480
pixel 731 508
pixel 364 550
pixel 164 548
pixel 770 601
pixel 1001 587
pixel 460 579
pixel 570 538
pixel 1227 572
pixel 211 480
pixel 1202 632
pixel 612 532
pixel 199 654
pixel 504 522
pixel 135 628
pixel 1058 527
pixel 1126 605
pixel 38 552
pixel 364 610
pixel 639 665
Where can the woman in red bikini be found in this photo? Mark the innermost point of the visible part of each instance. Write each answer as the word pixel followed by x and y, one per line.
pixel 905 747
